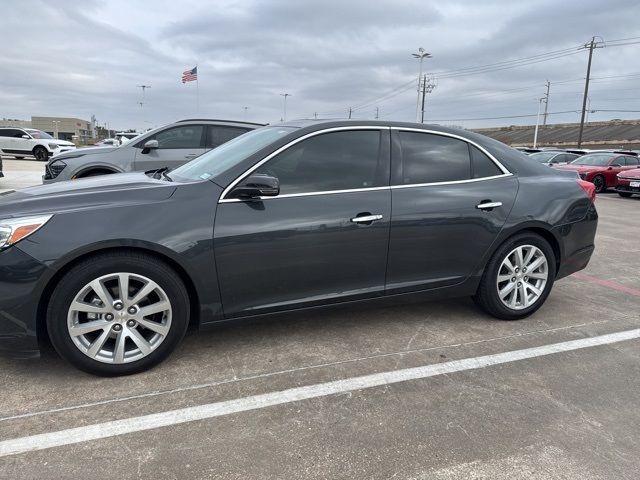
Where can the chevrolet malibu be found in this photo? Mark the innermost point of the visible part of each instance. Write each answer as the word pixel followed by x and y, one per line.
pixel 113 270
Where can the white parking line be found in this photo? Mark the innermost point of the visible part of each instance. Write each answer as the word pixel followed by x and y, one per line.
pixel 202 412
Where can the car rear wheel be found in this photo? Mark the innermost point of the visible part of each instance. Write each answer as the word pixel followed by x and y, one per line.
pixel 41 154
pixel 625 194
pixel 518 278
pixel 599 183
pixel 118 313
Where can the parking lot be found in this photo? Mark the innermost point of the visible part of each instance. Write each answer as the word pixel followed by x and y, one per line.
pixel 227 407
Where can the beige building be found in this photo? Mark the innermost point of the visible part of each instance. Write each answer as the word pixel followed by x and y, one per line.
pixel 64 128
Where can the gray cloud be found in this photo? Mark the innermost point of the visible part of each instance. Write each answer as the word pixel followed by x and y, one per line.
pixel 76 58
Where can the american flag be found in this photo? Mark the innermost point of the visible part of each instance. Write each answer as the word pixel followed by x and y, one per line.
pixel 190 75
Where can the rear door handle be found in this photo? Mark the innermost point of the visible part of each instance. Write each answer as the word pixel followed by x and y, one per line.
pixel 488 205
pixel 366 218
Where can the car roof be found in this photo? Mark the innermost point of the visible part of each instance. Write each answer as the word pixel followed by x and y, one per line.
pixel 221 121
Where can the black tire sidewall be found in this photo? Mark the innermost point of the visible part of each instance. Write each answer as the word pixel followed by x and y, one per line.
pixel 625 194
pixel 41 149
pixel 95 267
pixel 490 300
pixel 603 185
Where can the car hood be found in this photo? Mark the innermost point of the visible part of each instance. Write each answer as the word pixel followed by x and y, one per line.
pixel 633 173
pixel 580 168
pixel 62 143
pixel 88 193
pixel 85 151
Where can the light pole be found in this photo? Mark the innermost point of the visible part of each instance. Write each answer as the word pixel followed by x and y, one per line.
pixel 56 122
pixel 420 55
pixel 284 116
pixel 535 135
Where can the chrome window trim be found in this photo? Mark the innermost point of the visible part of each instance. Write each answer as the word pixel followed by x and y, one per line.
pixel 287 146
pixel 502 168
pixel 506 173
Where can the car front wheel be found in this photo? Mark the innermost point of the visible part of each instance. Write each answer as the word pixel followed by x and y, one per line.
pixel 625 194
pixel 41 154
pixel 599 183
pixel 118 313
pixel 518 278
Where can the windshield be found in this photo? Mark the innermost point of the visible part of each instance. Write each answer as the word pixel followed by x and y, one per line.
pixel 595 160
pixel 229 154
pixel 543 157
pixel 39 134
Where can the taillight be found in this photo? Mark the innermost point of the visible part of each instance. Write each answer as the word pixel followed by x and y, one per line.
pixel 589 188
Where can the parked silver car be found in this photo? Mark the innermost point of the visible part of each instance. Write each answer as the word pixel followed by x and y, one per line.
pixel 168 146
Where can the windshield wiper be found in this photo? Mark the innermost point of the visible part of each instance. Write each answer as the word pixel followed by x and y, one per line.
pixel 160 172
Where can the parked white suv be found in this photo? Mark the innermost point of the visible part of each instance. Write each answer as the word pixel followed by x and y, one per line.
pixel 22 142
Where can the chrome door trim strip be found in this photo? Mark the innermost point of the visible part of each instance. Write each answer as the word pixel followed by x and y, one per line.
pixel 506 173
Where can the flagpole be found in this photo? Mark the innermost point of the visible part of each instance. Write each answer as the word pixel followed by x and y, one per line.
pixel 197 91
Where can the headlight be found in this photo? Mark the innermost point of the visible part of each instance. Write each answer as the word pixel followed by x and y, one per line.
pixel 12 230
pixel 53 146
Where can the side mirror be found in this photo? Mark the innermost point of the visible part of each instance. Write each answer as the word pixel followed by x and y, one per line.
pixel 257 185
pixel 27 137
pixel 150 145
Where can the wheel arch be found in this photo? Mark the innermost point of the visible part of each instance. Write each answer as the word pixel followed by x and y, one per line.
pixel 64 267
pixel 106 169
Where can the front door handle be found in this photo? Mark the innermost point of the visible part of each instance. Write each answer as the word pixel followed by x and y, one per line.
pixel 488 205
pixel 191 155
pixel 368 219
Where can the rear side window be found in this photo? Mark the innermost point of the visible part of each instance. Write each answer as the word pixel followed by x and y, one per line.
pixel 482 166
pixel 11 132
pixel 632 160
pixel 428 158
pixel 331 161
pixel 219 135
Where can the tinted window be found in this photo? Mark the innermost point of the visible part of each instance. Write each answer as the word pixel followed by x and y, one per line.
pixel 482 165
pixel 431 158
pixel 11 132
pixel 619 161
pixel 632 160
pixel 594 160
pixel 569 157
pixel 185 136
pixel 219 135
pixel 331 161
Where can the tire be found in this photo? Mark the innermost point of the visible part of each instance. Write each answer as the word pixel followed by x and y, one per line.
pixel 95 173
pixel 114 346
pixel 600 184
pixel 487 297
pixel 625 194
pixel 41 154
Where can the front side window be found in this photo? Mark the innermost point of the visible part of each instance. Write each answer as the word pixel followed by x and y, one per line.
pixel 332 161
pixel 39 134
pixel 593 160
pixel 429 158
pixel 185 136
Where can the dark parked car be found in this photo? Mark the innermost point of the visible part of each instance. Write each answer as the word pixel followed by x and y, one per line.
pixel 168 146
pixel 601 168
pixel 1 173
pixel 287 217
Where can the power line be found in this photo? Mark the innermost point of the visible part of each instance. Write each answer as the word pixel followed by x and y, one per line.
pixel 498 118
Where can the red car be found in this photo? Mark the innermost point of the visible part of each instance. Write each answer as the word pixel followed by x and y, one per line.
pixel 602 168
pixel 628 183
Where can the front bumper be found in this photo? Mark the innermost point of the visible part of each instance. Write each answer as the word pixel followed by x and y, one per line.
pixel 21 283
pixel 624 186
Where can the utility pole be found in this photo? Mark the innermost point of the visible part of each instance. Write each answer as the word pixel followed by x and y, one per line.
pixel 546 103
pixel 377 113
pixel 284 116
pixel 350 110
pixel 535 134
pixel 426 88
pixel 591 45
pixel 315 115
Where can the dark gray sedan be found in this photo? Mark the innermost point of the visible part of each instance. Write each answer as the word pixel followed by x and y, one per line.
pixel 112 270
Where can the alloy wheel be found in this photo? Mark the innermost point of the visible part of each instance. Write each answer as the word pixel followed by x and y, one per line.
pixel 119 318
pixel 522 277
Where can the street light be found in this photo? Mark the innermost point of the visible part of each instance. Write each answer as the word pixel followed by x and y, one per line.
pixel 284 116
pixel 421 55
pixel 56 122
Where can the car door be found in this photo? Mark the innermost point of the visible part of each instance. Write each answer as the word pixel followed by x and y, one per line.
pixel 616 165
pixel 176 145
pixel 450 201
pixel 14 144
pixel 219 134
pixel 323 239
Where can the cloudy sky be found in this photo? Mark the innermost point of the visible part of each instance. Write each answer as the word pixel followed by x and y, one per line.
pixel 78 58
